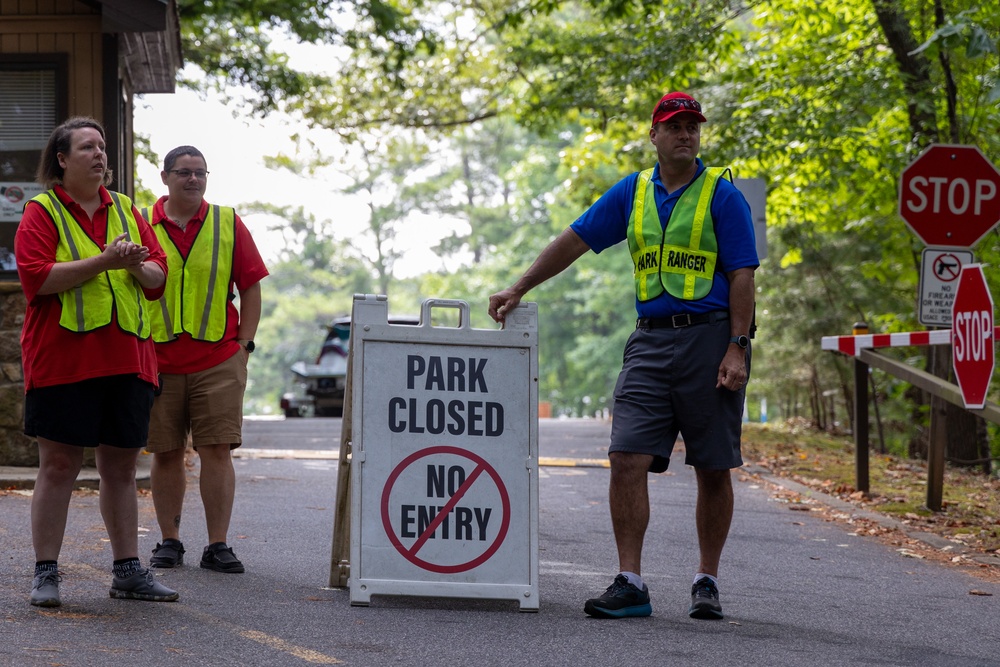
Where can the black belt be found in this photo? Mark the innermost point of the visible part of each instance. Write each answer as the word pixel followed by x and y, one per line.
pixel 680 321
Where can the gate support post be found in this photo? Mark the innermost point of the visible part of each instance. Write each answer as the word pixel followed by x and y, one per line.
pixel 861 425
pixel 935 455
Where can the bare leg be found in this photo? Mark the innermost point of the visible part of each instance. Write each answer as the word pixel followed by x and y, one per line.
pixel 119 504
pixel 218 488
pixel 168 481
pixel 58 467
pixel 629 499
pixel 713 515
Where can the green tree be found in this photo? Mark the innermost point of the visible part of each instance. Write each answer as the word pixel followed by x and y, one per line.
pixel 312 282
pixel 237 43
pixel 827 101
pixel 832 134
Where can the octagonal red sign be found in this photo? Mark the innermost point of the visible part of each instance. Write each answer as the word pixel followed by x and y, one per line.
pixel 950 196
pixel 972 336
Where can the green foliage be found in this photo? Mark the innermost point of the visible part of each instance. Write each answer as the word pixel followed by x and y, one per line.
pixel 232 42
pixel 313 281
pixel 528 112
pixel 143 196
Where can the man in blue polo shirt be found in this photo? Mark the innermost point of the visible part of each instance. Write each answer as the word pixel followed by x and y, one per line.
pixel 687 363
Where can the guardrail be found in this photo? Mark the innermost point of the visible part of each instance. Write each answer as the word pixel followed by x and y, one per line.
pixel 861 345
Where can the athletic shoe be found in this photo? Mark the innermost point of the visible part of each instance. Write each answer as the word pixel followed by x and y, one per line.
pixel 45 589
pixel 141 586
pixel 705 600
pixel 221 558
pixel 168 554
pixel 620 600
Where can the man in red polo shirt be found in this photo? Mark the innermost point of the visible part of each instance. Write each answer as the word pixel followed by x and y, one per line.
pixel 203 342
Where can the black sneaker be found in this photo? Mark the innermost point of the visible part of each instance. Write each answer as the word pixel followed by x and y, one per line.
pixel 705 600
pixel 221 558
pixel 620 600
pixel 168 554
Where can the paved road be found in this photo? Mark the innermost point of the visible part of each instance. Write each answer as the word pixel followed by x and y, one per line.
pixel 796 590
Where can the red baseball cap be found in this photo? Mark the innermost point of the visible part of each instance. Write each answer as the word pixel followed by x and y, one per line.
pixel 672 104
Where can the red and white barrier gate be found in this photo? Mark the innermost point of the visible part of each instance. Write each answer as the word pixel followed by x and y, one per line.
pixel 851 345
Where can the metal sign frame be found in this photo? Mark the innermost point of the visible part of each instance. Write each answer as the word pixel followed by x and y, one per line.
pixel 426 445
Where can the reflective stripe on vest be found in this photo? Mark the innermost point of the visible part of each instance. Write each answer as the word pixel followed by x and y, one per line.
pixel 681 258
pixel 90 304
pixel 161 303
pixel 196 303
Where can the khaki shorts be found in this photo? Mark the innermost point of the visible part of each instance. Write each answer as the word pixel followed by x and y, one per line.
pixel 207 405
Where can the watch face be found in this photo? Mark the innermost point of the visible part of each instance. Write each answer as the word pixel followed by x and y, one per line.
pixel 743 342
pixel 251 347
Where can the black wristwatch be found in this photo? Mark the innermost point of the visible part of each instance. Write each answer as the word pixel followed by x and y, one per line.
pixel 249 347
pixel 742 341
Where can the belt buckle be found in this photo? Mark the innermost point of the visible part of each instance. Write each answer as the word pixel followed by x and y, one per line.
pixel 685 320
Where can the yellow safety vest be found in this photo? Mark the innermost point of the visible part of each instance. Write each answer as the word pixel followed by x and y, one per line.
pixel 90 305
pixel 681 257
pixel 196 301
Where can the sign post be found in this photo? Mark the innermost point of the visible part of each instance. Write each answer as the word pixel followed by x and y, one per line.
pixel 972 336
pixel 950 196
pixel 444 472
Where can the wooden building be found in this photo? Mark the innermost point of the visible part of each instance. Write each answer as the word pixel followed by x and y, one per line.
pixel 62 58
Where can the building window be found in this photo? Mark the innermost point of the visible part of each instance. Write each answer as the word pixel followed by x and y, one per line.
pixel 32 103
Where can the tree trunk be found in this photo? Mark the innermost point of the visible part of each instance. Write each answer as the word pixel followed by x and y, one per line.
pixel 965 437
pixel 848 391
pixel 918 445
pixel 816 401
pixel 914 68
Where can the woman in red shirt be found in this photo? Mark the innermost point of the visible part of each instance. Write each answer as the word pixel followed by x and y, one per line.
pixel 87 263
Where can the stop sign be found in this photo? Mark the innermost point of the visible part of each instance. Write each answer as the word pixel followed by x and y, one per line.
pixel 972 336
pixel 950 196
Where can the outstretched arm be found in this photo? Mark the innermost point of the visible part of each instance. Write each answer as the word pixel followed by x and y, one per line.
pixel 557 256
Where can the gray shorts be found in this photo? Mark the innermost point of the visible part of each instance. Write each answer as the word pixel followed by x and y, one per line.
pixel 667 386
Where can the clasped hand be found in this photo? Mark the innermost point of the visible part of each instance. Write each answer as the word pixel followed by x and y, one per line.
pixel 123 254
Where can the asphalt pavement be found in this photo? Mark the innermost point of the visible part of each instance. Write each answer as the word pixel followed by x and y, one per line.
pixel 796 589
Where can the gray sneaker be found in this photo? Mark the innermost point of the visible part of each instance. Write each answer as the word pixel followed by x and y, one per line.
pixel 45 589
pixel 141 586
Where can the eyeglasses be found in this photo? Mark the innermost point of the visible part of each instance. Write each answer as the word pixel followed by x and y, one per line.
pixel 679 103
pixel 187 173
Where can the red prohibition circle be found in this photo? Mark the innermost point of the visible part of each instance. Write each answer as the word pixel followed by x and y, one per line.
pixel 953 275
pixel 410 554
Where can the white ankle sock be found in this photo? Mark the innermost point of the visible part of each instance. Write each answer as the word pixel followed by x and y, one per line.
pixel 702 575
pixel 634 579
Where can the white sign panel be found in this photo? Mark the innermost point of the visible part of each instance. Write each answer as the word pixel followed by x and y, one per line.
pixel 13 197
pixel 939 272
pixel 444 457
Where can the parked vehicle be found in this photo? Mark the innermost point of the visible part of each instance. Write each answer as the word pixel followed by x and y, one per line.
pixel 320 387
